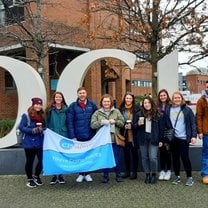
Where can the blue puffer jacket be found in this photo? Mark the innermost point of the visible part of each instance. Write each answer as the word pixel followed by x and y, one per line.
pixel 78 121
pixel 56 121
pixel 30 141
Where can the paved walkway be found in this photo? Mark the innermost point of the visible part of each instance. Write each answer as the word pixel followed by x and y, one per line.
pixel 131 193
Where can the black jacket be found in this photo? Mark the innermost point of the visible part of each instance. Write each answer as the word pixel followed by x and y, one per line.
pixel 156 130
pixel 135 110
pixel 190 121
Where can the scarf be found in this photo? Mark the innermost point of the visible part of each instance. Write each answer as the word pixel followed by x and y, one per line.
pixel 36 118
pixel 205 94
pixel 82 105
pixel 162 109
pixel 129 117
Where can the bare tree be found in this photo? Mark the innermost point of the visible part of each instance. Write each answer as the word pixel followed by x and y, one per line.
pixel 30 27
pixel 154 28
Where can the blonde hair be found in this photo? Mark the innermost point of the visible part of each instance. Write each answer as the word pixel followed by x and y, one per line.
pixel 183 102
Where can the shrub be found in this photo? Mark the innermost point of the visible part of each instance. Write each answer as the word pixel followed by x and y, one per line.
pixel 138 99
pixel 5 126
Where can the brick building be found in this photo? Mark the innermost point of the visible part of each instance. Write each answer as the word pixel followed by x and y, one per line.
pixel 195 81
pixel 141 79
pixel 60 52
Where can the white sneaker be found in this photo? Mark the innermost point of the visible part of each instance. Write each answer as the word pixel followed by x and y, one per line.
pixel 167 175
pixel 80 179
pixel 161 175
pixel 88 178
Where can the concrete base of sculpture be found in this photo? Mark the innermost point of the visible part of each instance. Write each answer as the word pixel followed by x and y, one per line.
pixel 12 160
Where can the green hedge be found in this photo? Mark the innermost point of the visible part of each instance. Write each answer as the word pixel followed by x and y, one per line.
pixel 5 126
pixel 138 99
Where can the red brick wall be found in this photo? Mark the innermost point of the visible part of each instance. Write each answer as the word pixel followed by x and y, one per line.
pixel 9 100
pixel 142 72
pixel 75 14
pixel 196 83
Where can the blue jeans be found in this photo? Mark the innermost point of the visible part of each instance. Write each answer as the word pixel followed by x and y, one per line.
pixel 149 154
pixel 204 161
pixel 116 153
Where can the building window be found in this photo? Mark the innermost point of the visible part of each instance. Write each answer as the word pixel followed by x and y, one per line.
pixel 11 13
pixel 141 83
pixel 9 82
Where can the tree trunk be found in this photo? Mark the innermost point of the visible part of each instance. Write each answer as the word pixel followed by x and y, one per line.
pixel 154 80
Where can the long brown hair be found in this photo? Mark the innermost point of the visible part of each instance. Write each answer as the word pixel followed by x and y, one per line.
pixel 37 116
pixel 124 101
pixel 153 113
pixel 53 102
pixel 167 102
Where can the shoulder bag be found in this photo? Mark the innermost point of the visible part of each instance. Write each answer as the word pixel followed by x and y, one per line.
pixel 120 140
pixel 169 134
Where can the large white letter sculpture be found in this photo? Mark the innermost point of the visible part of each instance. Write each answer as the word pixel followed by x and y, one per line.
pixel 73 75
pixel 29 83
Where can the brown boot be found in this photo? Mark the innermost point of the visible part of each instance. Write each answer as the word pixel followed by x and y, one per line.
pixel 205 180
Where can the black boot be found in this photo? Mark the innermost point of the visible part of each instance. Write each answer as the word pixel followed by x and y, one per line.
pixel 147 178
pixel 153 178
pixel 119 178
pixel 126 174
pixel 105 179
pixel 133 175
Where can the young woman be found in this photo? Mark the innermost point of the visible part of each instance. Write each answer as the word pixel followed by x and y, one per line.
pixel 33 140
pixel 128 110
pixel 106 115
pixel 163 101
pixel 147 121
pixel 185 132
pixel 56 121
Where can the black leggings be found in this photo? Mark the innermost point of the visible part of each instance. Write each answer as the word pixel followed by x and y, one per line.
pixel 165 158
pixel 180 149
pixel 30 157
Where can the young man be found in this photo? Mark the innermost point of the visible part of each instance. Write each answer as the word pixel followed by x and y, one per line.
pixel 202 130
pixel 78 122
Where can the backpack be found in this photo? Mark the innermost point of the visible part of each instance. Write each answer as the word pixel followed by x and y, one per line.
pixel 20 135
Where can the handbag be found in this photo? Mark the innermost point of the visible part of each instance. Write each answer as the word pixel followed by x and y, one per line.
pixel 169 134
pixel 120 140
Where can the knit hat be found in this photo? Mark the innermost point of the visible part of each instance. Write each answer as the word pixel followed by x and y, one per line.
pixel 37 100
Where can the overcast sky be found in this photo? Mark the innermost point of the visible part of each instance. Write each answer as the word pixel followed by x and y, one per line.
pixel 185 68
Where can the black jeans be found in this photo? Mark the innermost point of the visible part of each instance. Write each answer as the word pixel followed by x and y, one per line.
pixel 165 157
pixel 180 149
pixel 30 157
pixel 130 157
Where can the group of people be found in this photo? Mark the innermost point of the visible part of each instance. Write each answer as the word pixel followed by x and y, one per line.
pixel 142 125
